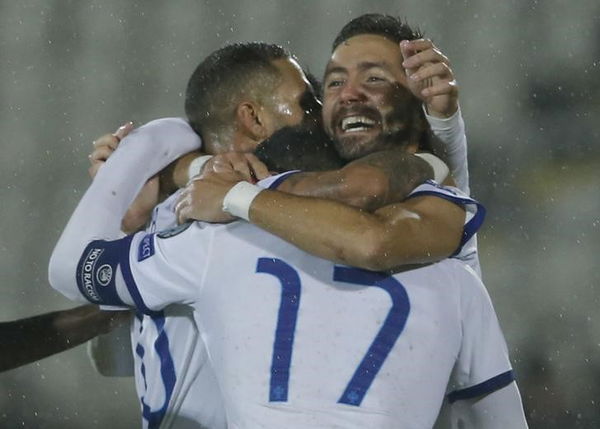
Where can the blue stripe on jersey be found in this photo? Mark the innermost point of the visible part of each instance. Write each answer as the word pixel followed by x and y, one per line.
pixel 131 285
pixel 472 226
pixel 488 386
pixel 167 373
pixel 97 268
pixel 282 178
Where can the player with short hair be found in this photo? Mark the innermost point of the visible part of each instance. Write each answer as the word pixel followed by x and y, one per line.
pixel 295 340
pixel 370 70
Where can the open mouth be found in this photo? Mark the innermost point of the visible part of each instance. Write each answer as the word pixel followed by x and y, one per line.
pixel 353 124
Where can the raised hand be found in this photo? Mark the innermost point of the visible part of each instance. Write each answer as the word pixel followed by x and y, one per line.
pixel 430 77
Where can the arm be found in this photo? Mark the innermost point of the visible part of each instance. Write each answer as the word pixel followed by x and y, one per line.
pixel 140 156
pixel 369 183
pixel 28 340
pixel 432 80
pixel 422 229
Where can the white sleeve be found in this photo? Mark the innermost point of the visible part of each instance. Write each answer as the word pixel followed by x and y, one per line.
pixel 98 215
pixel 500 409
pixel 451 132
pixel 475 213
pixel 482 365
pixel 146 271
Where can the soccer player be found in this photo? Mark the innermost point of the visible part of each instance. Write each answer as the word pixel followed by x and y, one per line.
pixel 295 340
pixel 169 369
pixel 364 80
pixel 34 338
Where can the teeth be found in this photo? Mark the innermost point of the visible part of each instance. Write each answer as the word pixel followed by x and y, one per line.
pixel 356 123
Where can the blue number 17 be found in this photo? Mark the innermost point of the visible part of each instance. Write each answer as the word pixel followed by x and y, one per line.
pixel 286 325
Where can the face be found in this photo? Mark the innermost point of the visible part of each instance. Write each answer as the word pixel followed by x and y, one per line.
pixel 366 104
pixel 293 102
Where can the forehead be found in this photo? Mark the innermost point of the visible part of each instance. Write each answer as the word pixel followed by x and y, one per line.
pixel 369 48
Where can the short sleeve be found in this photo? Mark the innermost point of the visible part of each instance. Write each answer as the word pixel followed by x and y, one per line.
pixel 475 210
pixel 146 271
pixel 483 365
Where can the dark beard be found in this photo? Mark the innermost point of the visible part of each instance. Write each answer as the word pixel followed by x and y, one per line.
pixel 303 147
pixel 405 125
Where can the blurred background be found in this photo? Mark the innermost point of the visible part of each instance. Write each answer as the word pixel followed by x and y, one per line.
pixel 529 75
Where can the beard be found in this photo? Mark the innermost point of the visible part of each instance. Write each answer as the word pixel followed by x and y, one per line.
pixel 403 124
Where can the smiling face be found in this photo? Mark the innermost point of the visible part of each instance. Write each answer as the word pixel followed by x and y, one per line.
pixel 366 104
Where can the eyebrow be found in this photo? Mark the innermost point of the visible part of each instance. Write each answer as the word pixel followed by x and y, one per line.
pixel 362 66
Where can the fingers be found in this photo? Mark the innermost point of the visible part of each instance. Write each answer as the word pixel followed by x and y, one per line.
pixel 123 131
pixel 108 140
pixel 417 53
pixel 435 70
pixel 182 207
pixel 259 169
pixel 441 88
pixel 246 165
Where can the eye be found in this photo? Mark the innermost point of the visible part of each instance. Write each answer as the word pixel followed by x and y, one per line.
pixel 334 83
pixel 375 79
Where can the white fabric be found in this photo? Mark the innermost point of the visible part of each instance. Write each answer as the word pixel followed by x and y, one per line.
pixel 236 310
pixel 239 198
pixel 451 324
pixel 141 154
pixel 440 169
pixel 451 132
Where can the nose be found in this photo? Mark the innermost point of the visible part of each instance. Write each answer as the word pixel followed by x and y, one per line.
pixel 351 92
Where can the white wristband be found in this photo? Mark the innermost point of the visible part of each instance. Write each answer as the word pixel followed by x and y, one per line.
pixel 239 198
pixel 196 166
pixel 440 169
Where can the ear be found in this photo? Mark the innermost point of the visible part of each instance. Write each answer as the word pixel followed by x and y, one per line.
pixel 252 120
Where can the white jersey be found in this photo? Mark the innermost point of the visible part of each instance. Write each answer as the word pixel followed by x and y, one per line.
pixel 170 362
pixel 297 341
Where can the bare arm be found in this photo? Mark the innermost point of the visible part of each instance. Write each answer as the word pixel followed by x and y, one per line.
pixel 369 183
pixel 423 229
pixel 420 230
pixel 37 337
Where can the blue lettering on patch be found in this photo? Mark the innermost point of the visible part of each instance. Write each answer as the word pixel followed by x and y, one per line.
pixel 146 247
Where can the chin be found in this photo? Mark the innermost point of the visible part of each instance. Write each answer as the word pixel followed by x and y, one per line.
pixel 352 147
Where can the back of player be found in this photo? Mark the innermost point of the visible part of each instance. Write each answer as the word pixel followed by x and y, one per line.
pixel 298 342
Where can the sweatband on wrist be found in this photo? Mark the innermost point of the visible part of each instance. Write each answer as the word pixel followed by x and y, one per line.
pixel 440 169
pixel 196 165
pixel 239 198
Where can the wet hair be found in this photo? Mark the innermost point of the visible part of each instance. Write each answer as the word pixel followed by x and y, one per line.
pixel 224 77
pixel 303 147
pixel 390 27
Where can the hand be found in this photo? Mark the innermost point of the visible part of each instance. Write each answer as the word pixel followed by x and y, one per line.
pixel 203 198
pixel 247 165
pixel 430 77
pixel 104 147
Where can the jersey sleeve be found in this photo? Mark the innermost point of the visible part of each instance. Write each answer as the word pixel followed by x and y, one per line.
pixel 475 211
pixel 272 182
pixel 146 271
pixel 98 215
pixel 453 150
pixel 483 365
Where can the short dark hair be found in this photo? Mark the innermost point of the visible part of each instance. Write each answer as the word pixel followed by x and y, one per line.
pixel 224 76
pixel 391 27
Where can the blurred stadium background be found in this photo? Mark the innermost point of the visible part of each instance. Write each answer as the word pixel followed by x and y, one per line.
pixel 529 75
